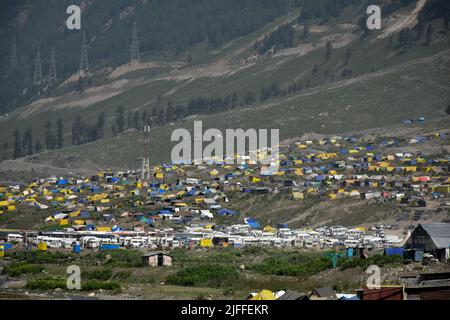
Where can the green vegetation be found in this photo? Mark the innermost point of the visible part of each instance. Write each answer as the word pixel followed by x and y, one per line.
pixel 213 276
pixel 38 257
pixel 121 258
pixel 293 264
pixel 46 284
pixel 89 285
pixel 20 268
pixel 101 274
pixel 378 260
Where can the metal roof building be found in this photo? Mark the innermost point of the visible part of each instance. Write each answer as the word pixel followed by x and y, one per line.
pixel 429 237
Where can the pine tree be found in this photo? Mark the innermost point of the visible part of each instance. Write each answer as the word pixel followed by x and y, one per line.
pixel 60 134
pixel 136 118
pixel 305 31
pixel 328 48
pixel 129 120
pixel 120 119
pixel 101 121
pixel 38 146
pixel 348 55
pixel 28 141
pixel 50 140
pixel 429 35
pixel 17 144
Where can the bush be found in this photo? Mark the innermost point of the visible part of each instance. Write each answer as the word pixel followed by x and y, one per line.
pixel 103 275
pixel 122 258
pixel 213 276
pixel 122 275
pixel 17 269
pixel 89 285
pixel 37 257
pixel 293 264
pixel 378 260
pixel 47 284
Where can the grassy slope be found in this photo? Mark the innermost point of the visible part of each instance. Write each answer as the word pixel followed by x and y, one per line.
pixel 380 99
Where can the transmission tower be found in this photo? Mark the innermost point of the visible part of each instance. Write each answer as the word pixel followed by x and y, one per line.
pixel 52 79
pixel 84 62
pixel 14 59
pixel 134 48
pixel 37 79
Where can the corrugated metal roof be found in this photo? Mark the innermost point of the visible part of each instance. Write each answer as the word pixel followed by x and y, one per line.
pixel 439 233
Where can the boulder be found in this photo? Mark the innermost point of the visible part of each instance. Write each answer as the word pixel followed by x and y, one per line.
pixel 15 284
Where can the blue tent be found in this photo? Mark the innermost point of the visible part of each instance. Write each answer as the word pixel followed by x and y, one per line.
pixel 90 227
pixel 84 214
pixel 227 212
pixel 252 223
pixel 62 182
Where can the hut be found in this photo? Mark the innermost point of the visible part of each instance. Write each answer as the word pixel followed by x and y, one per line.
pixel 157 259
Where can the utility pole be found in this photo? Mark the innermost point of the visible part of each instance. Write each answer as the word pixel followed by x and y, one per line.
pixel 84 61
pixel 37 79
pixel 134 48
pixel 14 59
pixel 146 154
pixel 52 79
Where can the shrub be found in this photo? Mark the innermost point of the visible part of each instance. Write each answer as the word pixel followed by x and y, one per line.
pixel 92 285
pixel 17 269
pixel 122 275
pixel 378 260
pixel 46 284
pixel 293 264
pixel 103 274
pixel 122 258
pixel 213 276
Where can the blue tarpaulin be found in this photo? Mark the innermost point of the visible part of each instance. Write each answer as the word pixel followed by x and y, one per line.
pixel 394 251
pixel 227 212
pixel 252 223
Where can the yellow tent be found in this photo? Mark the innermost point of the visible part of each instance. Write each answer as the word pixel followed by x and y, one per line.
pixel 269 229
pixel 63 222
pixel 214 172
pixel 103 229
pixel 5 203
pixel 264 295
pixel 298 195
pixel 206 243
